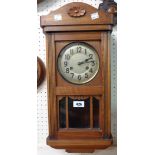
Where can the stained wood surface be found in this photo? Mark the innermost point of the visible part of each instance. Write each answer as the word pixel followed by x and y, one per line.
pixel 103 21
pixel 104 18
pixel 79 134
pixel 87 90
pixel 40 71
pixel 96 33
pixel 77 28
pixel 87 144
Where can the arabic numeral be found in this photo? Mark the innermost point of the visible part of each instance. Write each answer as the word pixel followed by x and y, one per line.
pixel 79 104
pixel 71 51
pixel 72 74
pixel 67 70
pixel 67 56
pixel 85 51
pixel 79 49
pixel 65 63
pixel 93 63
pixel 79 77
pixel 91 56
pixel 86 75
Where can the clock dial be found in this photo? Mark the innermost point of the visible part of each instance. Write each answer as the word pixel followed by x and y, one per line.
pixel 78 63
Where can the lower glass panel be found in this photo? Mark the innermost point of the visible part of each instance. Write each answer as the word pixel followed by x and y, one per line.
pixel 79 117
pixel 79 111
pixel 95 113
pixel 62 112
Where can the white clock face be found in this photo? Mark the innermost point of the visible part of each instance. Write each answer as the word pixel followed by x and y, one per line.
pixel 78 63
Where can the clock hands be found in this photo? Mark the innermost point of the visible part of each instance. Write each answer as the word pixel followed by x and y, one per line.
pixel 85 61
pixel 80 63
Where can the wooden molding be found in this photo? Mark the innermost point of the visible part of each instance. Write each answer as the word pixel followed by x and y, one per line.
pixel 78 145
pixel 64 16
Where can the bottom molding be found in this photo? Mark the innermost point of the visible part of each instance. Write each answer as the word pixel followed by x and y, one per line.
pixel 80 151
pixel 79 145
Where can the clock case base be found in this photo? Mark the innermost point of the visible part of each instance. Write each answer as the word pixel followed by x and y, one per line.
pixel 78 145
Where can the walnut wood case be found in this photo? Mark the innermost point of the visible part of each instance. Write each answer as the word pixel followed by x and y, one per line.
pixel 78 26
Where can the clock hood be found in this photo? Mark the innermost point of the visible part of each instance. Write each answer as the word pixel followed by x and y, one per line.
pixel 77 16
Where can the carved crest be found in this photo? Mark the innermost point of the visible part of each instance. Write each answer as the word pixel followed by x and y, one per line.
pixel 76 12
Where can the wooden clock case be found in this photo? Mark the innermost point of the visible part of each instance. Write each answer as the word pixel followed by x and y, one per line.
pixel 77 22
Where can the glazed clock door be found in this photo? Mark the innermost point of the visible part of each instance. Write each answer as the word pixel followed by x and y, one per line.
pixel 79 85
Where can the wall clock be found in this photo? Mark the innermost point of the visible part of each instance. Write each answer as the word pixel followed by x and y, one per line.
pixel 78 77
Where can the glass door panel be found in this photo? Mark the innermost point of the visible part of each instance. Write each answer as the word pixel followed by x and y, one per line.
pixel 79 117
pixel 79 112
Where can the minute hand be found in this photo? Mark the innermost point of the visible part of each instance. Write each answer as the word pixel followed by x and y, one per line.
pixel 85 61
pixel 90 61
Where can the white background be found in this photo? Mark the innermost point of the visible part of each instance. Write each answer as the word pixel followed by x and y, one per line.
pixel 18 92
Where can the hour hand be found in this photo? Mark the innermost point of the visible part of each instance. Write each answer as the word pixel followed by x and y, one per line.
pixel 90 61
pixel 80 63
pixel 85 61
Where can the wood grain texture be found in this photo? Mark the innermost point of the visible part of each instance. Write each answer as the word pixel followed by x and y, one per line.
pixel 40 72
pixel 109 87
pixel 79 134
pixel 96 33
pixel 87 144
pixel 49 20
pixel 107 84
pixel 49 91
pixel 87 90
pixel 76 36
pixel 78 28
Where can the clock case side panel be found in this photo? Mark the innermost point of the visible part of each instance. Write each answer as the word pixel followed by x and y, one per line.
pixel 105 47
pixel 51 84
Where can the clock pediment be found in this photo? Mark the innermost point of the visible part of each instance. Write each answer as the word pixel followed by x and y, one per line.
pixel 76 14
